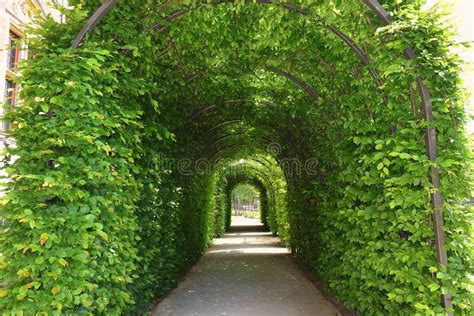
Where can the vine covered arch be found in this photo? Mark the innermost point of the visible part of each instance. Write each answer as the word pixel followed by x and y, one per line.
pixel 266 193
pixel 345 114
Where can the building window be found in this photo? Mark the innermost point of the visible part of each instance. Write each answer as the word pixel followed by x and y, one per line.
pixel 14 48
pixel 10 99
pixel 13 58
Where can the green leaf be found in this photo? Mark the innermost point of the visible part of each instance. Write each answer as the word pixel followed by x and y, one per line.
pixel 45 107
pixel 433 287
pixel 422 306
pixel 405 156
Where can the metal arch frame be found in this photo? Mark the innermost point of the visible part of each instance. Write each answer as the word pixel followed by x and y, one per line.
pixel 226 148
pixel 240 144
pixel 271 172
pixel 424 93
pixel 436 198
pixel 358 51
pixel 230 122
pixel 298 81
pixel 277 163
pixel 219 139
pixel 265 166
pixel 238 175
pixel 288 140
pixel 288 75
pixel 268 104
pixel 314 95
pixel 242 176
pixel 198 112
pixel 270 163
pixel 106 6
pixel 297 121
pixel 234 181
pixel 287 176
pixel 248 160
pixel 258 149
pixel 222 124
pixel 265 177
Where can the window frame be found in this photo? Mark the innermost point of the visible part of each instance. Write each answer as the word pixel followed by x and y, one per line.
pixel 11 96
pixel 14 37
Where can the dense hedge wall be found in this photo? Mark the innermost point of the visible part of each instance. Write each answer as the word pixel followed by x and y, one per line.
pixel 119 177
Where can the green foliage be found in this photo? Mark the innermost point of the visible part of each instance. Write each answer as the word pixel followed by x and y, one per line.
pixel 128 149
pixel 246 193
pixel 70 209
pixel 268 183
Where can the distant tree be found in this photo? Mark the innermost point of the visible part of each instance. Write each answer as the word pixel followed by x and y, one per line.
pixel 246 193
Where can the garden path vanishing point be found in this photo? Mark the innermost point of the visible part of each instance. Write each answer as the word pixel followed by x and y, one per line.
pixel 246 272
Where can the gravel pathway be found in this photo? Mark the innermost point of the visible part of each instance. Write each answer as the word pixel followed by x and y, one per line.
pixel 246 272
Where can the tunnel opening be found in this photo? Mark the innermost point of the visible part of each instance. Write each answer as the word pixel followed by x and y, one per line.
pixel 130 142
pixel 246 201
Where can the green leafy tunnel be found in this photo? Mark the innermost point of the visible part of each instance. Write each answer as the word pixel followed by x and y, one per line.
pixel 128 148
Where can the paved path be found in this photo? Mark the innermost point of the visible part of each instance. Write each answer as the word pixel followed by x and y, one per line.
pixel 246 273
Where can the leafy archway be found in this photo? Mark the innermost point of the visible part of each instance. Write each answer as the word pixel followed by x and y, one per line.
pixel 124 142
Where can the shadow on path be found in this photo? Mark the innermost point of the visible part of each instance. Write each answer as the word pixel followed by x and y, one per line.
pixel 246 272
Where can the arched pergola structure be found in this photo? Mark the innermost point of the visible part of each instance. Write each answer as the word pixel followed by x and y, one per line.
pixel 158 109
pixel 377 8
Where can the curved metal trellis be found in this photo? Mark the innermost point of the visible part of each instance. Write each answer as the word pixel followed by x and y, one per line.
pixel 265 177
pixel 267 104
pixel 286 136
pixel 436 198
pixel 267 150
pixel 423 91
pixel 298 81
pixel 289 176
pixel 357 50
